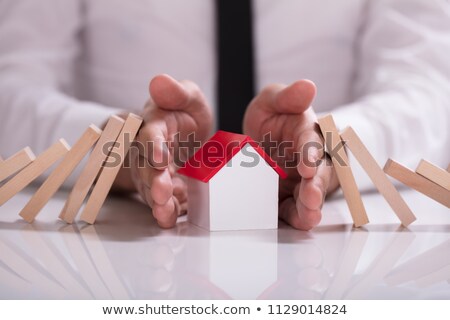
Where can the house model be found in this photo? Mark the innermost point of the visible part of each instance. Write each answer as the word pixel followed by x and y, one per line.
pixel 232 185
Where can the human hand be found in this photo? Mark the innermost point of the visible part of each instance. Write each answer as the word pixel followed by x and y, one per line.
pixel 175 110
pixel 286 113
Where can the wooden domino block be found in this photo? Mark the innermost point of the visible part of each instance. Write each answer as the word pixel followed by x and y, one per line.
pixel 378 177
pixel 60 174
pixel 16 163
pixel 434 173
pixel 33 170
pixel 343 171
pixel 109 173
pixel 91 170
pixel 417 182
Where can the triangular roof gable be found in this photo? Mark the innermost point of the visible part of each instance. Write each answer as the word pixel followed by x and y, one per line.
pixel 216 153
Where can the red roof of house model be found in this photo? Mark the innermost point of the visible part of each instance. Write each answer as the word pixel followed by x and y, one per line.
pixel 216 153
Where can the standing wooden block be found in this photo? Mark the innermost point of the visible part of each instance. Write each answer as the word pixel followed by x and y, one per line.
pixel 60 174
pixel 16 163
pixel 417 182
pixel 92 168
pixel 109 173
pixel 343 171
pixel 34 170
pixel 434 173
pixel 378 177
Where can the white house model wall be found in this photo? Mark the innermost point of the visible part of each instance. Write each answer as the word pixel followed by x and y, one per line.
pixel 243 195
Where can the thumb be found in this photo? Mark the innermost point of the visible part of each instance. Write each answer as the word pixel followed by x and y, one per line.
pixel 168 93
pixel 295 98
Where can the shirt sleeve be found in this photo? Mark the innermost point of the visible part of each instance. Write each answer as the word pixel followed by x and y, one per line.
pixel 39 43
pixel 401 107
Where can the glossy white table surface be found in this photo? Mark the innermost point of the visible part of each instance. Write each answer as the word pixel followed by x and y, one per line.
pixel 126 256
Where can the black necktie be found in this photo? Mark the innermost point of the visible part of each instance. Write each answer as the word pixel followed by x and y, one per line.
pixel 235 49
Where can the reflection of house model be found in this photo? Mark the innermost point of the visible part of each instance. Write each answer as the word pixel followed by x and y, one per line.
pixel 233 185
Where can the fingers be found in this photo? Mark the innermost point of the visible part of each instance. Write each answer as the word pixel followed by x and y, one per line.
pixel 312 191
pixel 165 212
pixel 152 142
pixel 277 100
pixel 175 107
pixel 309 145
pixel 172 95
pixel 167 93
pixel 166 215
pixel 296 98
pixel 293 99
pixel 166 195
pixel 180 193
pixel 156 189
pixel 303 211
pixel 307 220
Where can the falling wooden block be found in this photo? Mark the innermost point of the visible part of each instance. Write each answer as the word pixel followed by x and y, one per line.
pixel 60 174
pixel 16 163
pixel 378 177
pixel 33 170
pixel 92 168
pixel 417 182
pixel 434 173
pixel 343 171
pixel 109 173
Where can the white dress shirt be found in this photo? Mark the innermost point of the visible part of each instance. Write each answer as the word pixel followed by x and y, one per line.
pixel 380 66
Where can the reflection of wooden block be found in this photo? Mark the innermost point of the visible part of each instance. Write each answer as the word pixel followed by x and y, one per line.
pixel 92 168
pixel 417 182
pixel 433 278
pixel 378 177
pixel 26 267
pixel 349 261
pixel 16 163
pixel 34 170
pixel 434 173
pixel 109 173
pixel 60 174
pixel 383 263
pixel 420 266
pixel 51 259
pixel 103 265
pixel 343 171
pixel 83 262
